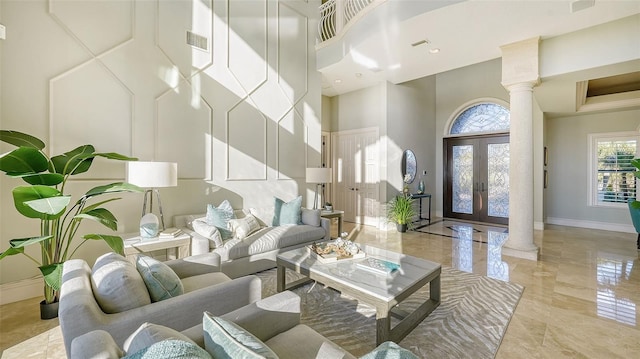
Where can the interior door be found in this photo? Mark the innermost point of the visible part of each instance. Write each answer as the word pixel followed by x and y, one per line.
pixel 476 185
pixel 356 171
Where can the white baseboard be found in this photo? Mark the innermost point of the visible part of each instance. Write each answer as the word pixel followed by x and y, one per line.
pixel 614 227
pixel 21 290
pixel 538 226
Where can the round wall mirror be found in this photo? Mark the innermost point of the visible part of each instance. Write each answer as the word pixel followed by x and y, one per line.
pixel 408 166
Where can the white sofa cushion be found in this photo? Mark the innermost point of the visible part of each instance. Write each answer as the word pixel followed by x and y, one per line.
pixel 243 227
pixel 310 217
pixel 117 285
pixel 200 226
pixel 310 345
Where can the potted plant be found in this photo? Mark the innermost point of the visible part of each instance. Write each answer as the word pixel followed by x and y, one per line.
pixel 44 198
pixel 328 206
pixel 400 211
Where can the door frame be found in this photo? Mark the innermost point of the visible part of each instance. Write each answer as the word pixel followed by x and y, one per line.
pixel 480 194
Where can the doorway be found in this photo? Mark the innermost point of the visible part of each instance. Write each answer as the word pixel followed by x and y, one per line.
pixel 476 183
pixel 356 175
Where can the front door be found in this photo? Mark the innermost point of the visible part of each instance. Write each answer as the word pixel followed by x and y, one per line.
pixel 476 184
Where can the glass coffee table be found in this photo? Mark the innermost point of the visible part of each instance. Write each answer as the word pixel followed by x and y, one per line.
pixel 373 286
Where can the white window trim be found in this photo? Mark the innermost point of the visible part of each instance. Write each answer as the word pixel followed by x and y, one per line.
pixel 592 192
pixel 454 115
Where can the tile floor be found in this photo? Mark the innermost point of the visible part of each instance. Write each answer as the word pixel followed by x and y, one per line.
pixel 582 297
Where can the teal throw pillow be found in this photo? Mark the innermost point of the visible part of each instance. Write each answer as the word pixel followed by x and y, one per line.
pixel 219 217
pixel 171 349
pixel 226 340
pixel 161 281
pixel 389 350
pixel 287 212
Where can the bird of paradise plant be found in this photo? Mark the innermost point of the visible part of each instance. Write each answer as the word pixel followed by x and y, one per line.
pixel 44 198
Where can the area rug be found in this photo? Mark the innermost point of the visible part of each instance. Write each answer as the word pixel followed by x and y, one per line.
pixel 470 322
pixel 463 230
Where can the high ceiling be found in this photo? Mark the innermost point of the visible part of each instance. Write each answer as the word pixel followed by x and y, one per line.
pixel 379 46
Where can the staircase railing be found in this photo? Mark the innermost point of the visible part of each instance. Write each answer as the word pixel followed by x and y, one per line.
pixel 335 14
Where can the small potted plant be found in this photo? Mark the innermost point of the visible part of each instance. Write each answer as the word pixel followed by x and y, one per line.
pixel 328 206
pixel 401 212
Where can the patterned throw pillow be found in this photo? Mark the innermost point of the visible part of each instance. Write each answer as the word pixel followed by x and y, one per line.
pixel 243 227
pixel 171 349
pixel 220 216
pixel 287 212
pixel 389 350
pixel 148 334
pixel 226 340
pixel 161 281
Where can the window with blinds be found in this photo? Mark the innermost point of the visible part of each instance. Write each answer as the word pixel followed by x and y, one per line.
pixel 613 181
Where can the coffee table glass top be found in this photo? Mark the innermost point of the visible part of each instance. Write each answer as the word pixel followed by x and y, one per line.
pixel 351 273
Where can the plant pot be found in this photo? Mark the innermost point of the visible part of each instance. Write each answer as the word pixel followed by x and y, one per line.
pixel 48 311
pixel 401 227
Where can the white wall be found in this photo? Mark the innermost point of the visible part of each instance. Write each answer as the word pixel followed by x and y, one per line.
pixel 567 194
pixel 242 119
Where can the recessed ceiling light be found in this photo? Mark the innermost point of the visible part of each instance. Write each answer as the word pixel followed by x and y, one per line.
pixel 358 74
pixel 434 50
pixel 337 81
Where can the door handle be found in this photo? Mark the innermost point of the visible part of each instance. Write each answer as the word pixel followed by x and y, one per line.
pixel 482 190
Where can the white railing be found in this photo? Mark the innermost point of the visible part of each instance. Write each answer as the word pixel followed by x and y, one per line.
pixel 335 14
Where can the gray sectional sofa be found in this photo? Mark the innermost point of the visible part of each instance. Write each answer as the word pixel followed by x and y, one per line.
pixel 258 251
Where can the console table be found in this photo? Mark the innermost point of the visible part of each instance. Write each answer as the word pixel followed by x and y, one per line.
pixel 419 197
pixel 175 247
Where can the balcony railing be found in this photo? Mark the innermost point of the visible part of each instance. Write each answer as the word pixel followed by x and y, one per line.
pixel 336 14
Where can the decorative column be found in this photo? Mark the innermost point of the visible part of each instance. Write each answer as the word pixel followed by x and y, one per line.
pixel 519 76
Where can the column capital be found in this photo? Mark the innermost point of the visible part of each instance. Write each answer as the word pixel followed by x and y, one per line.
pixel 520 62
pixel 521 86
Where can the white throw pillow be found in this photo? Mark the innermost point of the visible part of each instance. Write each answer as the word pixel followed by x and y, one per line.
pixel 243 227
pixel 207 230
pixel 148 334
pixel 117 285
pixel 310 217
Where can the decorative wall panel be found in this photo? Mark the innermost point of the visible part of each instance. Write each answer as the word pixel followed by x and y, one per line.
pixel 175 18
pixel 89 105
pixel 292 149
pixel 246 143
pixel 113 26
pixel 248 42
pixel 183 132
pixel 292 53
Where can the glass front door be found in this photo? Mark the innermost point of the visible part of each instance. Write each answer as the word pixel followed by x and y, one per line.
pixel 477 178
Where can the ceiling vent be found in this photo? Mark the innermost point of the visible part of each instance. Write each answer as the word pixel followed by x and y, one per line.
pixel 198 41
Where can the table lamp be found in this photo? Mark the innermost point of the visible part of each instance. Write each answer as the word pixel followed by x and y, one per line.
pixel 152 175
pixel 319 176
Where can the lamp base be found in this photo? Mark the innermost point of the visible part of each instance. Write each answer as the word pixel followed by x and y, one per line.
pixel 148 197
pixel 149 226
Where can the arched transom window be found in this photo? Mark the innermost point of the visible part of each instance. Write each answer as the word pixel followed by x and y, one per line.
pixel 481 117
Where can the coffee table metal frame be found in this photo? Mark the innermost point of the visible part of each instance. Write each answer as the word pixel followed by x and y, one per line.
pixel 385 300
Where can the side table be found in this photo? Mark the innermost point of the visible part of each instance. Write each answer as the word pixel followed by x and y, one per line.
pixel 334 214
pixel 175 247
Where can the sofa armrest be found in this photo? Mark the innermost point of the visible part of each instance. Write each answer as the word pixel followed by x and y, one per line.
pixel 79 312
pixel 95 344
pixel 326 224
pixel 195 265
pixel 270 316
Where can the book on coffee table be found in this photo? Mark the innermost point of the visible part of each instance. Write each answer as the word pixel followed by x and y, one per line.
pixel 329 255
pixel 379 266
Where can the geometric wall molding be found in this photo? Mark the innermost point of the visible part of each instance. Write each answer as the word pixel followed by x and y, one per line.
pixel 291 144
pixel 246 142
pixel 98 33
pixel 292 53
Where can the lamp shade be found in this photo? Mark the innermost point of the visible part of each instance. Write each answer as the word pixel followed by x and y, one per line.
pixel 152 174
pixel 318 175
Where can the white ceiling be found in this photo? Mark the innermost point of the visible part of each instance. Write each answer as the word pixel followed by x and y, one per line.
pixel 378 46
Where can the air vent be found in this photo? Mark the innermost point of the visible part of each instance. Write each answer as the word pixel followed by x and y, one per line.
pixel 198 41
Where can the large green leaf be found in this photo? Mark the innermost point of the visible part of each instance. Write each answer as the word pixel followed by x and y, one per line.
pixel 20 139
pixel 636 163
pixel 100 215
pixel 40 202
pixel 116 156
pixel 11 251
pixel 114 242
pixel 113 188
pixel 52 274
pixel 96 205
pixel 75 161
pixel 45 179
pixel 24 160
pixel 23 242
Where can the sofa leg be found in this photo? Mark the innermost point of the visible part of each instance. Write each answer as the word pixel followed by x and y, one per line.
pixel 638 242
